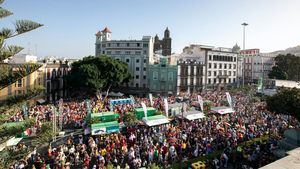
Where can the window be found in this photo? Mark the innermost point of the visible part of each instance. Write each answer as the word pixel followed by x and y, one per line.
pixel 209 73
pixel 137 69
pixel 20 83
pixel 144 85
pixel 108 52
pixel 209 65
pixel 225 72
pixel 234 66
pixel 233 73
pixel 220 72
pixel 145 68
pixel 118 44
pixel 137 76
pixel 144 52
pixel 170 76
pixel 229 66
pixel 138 44
pixel 229 73
pixel 234 59
pixel 127 60
pixel 145 60
pixel 215 81
pixel 155 75
pixel 127 44
pixel 103 52
pixel 138 52
pixel 220 66
pixel 215 65
pixel 229 80
pixel 137 60
pixel 225 66
pixel 136 85
pixel 118 52
pixel 144 77
pixel 209 81
pixel 108 44
pixel 215 73
pixel 145 45
pixel 104 45
pixel 209 57
pixel 127 52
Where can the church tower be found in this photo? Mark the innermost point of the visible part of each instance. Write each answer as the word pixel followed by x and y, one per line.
pixel 157 44
pixel 106 33
pixel 166 43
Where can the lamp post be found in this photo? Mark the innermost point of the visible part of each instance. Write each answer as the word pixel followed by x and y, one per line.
pixel 243 71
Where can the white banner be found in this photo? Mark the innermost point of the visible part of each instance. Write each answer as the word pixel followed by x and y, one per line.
pixel 145 109
pixel 184 107
pixel 229 99
pixel 150 97
pixel 166 107
pixel 200 100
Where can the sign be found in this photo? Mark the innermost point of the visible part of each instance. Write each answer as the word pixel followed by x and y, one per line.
pixel 132 99
pixel 99 131
pixel 166 107
pixel 200 100
pixel 24 108
pixel 145 109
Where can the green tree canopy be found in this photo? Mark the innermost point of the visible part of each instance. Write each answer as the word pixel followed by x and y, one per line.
pixel 287 67
pixel 286 101
pixel 98 73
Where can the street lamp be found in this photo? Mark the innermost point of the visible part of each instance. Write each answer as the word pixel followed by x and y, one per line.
pixel 243 71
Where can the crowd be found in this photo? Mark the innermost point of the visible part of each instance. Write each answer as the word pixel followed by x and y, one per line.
pixel 164 145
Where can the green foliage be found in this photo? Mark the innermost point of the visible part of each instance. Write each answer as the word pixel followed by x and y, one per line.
pixel 46 133
pixel 4 12
pixel 23 26
pixel 286 101
pixel 224 103
pixel 130 119
pixel 287 68
pixel 6 131
pixel 98 73
pixel 9 156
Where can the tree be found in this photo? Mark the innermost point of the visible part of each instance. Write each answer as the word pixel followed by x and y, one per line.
pixel 98 73
pixel 7 75
pixel 287 67
pixel 286 101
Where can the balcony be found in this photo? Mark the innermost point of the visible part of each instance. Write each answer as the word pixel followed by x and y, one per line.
pixel 223 76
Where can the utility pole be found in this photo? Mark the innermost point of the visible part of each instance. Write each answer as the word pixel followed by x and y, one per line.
pixel 243 71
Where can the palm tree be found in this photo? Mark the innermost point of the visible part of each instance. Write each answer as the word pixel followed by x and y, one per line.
pixel 11 73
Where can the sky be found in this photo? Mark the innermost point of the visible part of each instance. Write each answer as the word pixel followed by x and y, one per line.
pixel 70 25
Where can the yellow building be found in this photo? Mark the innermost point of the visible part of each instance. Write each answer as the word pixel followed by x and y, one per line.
pixel 21 86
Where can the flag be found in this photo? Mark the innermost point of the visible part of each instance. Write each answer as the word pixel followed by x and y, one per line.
pixel 145 109
pixel 132 99
pixel 166 106
pixel 200 100
pixel 229 99
pixel 150 97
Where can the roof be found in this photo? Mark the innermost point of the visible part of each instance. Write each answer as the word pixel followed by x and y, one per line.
pixel 98 33
pixel 106 30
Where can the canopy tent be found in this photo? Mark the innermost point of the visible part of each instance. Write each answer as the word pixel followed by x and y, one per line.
pixel 105 128
pixel 139 112
pixel 192 115
pixel 156 120
pixel 10 142
pixel 105 116
pixel 41 101
pixel 222 110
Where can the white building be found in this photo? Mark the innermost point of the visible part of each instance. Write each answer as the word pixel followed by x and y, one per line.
pixel 22 58
pixel 220 64
pixel 257 65
pixel 136 53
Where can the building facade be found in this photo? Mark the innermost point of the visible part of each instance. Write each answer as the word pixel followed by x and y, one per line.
pixel 190 75
pixel 55 71
pixel 162 77
pixel 257 65
pixel 138 54
pixel 219 65
pixel 23 85
pixel 165 45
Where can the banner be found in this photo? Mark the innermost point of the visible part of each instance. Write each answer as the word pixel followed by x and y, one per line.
pixel 145 109
pixel 151 101
pixel 229 99
pixel 260 84
pixel 184 107
pixel 166 107
pixel 200 100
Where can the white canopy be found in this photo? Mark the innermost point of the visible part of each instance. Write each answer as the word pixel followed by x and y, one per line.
pixel 195 116
pixel 156 120
pixel 222 110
